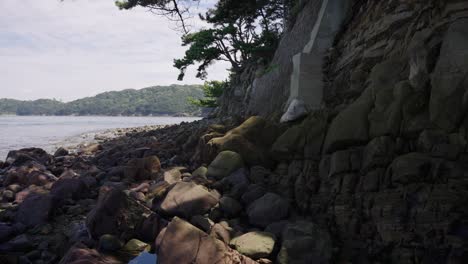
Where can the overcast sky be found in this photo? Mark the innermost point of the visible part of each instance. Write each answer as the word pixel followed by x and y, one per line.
pixel 78 48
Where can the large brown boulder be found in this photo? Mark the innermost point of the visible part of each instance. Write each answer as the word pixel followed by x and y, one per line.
pixel 188 199
pixel 183 243
pixel 116 213
pixel 80 254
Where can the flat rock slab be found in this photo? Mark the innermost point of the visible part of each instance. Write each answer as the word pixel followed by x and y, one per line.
pixel 188 199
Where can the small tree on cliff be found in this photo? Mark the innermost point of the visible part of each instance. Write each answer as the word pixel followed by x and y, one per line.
pixel 212 90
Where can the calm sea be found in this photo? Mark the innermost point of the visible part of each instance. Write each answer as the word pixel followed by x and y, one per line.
pixel 48 132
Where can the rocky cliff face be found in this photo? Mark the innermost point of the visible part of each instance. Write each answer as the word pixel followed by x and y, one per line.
pixel 382 164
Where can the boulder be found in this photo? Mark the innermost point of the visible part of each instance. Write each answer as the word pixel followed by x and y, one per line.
pixel 109 243
pixel 172 175
pixel 150 228
pixel 80 254
pixel 254 244
pixel 224 164
pixel 187 199
pixel 60 152
pixel 251 140
pixel 200 172
pixel 116 214
pixel 194 246
pixel 305 139
pixel 351 126
pixel 143 168
pixel 305 243
pixel 253 193
pixel 68 189
pixel 268 209
pixel 35 210
pixel 18 157
pixel 448 102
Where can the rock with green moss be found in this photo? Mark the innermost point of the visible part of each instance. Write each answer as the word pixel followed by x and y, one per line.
pixel 254 244
pixel 135 246
pixel 224 164
pixel 251 139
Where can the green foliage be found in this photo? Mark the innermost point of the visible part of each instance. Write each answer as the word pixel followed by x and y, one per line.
pixel 212 90
pixel 241 31
pixel 158 100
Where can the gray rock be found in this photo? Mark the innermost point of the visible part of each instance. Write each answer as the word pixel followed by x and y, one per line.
pixel 254 244
pixel 187 199
pixel 351 126
pixel 268 209
pixel 224 164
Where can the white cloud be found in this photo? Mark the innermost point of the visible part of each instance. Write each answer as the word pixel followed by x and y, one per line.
pixel 78 48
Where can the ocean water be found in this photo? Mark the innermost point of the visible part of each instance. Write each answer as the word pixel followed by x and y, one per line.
pixel 50 132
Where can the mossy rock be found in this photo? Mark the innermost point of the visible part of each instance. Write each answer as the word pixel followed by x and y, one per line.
pixel 224 164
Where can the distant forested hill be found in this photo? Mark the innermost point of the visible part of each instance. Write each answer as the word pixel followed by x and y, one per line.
pixel 157 100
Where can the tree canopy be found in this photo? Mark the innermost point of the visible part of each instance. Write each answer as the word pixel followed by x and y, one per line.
pixel 239 31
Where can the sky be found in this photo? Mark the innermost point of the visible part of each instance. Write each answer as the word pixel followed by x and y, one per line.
pixel 78 48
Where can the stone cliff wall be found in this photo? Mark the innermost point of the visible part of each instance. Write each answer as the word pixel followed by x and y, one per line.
pixel 382 166
pixel 389 180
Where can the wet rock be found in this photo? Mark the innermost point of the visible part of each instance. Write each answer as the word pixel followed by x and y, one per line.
pixel 194 246
pixel 268 209
pixel 35 210
pixel 187 199
pixel 224 164
pixel 254 244
pixel 304 243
